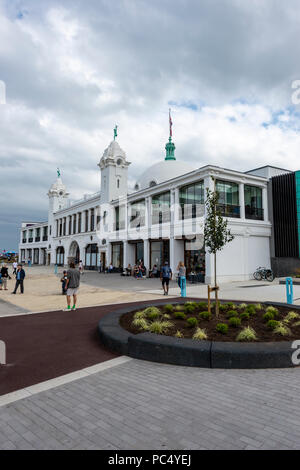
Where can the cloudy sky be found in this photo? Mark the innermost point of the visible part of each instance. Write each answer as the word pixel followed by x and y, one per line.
pixel 73 69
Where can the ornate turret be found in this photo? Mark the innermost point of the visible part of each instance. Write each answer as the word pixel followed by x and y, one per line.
pixel 170 146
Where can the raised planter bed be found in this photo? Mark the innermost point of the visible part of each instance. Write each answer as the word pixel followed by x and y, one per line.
pixel 189 352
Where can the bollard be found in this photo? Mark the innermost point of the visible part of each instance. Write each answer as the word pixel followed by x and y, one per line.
pixel 183 286
pixel 289 290
pixel 55 269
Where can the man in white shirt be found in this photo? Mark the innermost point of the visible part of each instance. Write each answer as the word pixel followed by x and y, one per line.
pixel 15 265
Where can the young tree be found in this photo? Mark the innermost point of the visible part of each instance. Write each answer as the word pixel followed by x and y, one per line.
pixel 216 233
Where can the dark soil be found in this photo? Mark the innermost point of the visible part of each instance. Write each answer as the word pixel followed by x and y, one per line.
pixel 263 333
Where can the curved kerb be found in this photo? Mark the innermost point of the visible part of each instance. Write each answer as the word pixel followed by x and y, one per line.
pixel 189 352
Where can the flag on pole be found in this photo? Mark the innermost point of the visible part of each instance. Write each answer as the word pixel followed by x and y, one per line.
pixel 171 123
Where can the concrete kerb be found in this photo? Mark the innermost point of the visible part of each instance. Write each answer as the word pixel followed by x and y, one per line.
pixel 188 352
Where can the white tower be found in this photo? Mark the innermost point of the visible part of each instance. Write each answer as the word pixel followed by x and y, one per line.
pixel 58 197
pixel 114 169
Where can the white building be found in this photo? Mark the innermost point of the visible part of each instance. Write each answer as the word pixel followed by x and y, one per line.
pixel 162 219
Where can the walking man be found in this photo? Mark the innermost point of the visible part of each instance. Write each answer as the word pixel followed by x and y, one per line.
pixel 15 265
pixel 72 286
pixel 166 276
pixel 20 276
pixel 5 276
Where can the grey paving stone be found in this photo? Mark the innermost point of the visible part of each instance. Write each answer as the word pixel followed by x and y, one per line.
pixel 143 405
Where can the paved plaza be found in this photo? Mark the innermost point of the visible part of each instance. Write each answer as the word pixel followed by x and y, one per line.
pixel 86 401
pixel 143 405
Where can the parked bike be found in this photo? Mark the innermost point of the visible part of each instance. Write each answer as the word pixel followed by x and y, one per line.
pixel 263 273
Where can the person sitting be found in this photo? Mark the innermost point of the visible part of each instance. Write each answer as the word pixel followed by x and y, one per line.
pixel 110 268
pixel 129 270
pixel 154 271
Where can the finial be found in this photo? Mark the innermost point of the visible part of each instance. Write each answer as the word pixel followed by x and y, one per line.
pixel 58 173
pixel 170 147
pixel 115 132
pixel 170 123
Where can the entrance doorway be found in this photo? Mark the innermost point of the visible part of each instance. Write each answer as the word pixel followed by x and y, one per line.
pixel 74 253
pixel 159 253
pixel 194 257
pixel 103 260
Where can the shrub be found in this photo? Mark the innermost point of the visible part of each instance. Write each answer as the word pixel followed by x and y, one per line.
pixel 272 310
pixel 231 313
pixel 189 308
pixel 178 334
pixel 250 309
pixel 200 334
pixel 297 323
pixel 268 316
pixel 168 308
pixel 282 330
pixel 153 315
pixel 192 322
pixel 160 327
pixel 222 328
pixel 223 307
pixel 179 308
pixel 180 315
pixel 139 315
pixel 166 316
pixel 247 334
pixel 258 307
pixel 242 306
pixel 202 305
pixel 140 323
pixel 193 303
pixel 205 315
pixel 272 324
pixel 152 311
pixel 230 305
pixel 291 316
pixel 244 316
pixel 235 322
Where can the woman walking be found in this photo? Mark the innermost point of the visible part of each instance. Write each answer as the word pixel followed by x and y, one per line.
pixel 181 274
pixel 4 276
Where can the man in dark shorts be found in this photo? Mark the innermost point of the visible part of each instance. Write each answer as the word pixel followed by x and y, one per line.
pixel 166 276
pixel 72 286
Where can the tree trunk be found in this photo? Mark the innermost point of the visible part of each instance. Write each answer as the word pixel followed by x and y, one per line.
pixel 216 291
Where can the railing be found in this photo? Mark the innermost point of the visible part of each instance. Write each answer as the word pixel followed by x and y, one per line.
pixel 191 211
pixel 161 217
pixel 229 210
pixel 254 213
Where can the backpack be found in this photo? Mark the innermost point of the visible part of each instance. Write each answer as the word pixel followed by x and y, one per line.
pixel 166 271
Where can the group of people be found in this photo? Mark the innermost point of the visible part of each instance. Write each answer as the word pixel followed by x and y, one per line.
pixel 138 270
pixel 19 274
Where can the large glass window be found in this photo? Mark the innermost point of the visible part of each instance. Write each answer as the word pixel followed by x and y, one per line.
pixel 74 223
pixel 86 221
pixel 159 253
pixel 60 254
pixel 92 219
pixel 253 203
pixel 228 198
pixel 191 200
pixel 79 222
pixel 120 218
pixel 161 208
pixel 194 254
pixel 117 255
pixel 137 214
pixel 91 256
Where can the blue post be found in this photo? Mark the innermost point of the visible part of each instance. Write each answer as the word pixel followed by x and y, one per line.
pixel 55 269
pixel 289 290
pixel 183 286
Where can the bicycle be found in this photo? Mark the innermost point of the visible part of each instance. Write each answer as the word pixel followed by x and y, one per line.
pixel 263 273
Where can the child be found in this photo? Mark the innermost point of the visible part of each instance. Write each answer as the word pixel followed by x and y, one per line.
pixel 63 281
